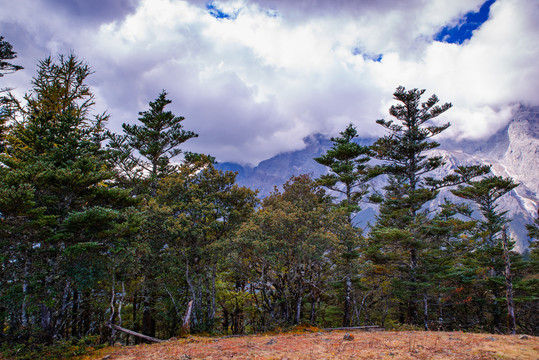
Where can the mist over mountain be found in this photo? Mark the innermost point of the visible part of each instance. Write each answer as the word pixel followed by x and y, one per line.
pixel 512 151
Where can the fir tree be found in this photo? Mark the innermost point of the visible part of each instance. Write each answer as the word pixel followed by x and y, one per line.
pixel 401 223
pixel 53 166
pixel 6 67
pixel 492 253
pixel 348 176
pixel 149 147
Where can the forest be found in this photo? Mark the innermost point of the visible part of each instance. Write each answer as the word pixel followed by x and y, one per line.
pixel 100 228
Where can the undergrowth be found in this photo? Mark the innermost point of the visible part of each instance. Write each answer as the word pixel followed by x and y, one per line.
pixel 63 349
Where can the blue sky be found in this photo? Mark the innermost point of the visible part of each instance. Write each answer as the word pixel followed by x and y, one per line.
pixel 457 34
pixel 255 77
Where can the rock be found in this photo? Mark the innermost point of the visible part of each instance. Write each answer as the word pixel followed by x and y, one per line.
pixel 348 337
pixel 271 342
pixel 491 338
pixel 106 357
pixel 523 337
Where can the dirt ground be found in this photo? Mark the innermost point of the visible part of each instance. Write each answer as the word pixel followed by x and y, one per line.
pixel 332 345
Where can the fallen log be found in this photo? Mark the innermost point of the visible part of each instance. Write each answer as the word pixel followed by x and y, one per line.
pixel 131 332
pixel 368 328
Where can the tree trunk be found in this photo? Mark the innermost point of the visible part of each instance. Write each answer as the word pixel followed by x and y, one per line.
pixel 440 312
pixel 211 312
pixel 75 314
pixel 147 318
pixel 112 312
pixel 186 327
pixel 86 314
pixel 297 318
pixel 508 284
pixel 347 301
pixel 314 301
pixel 24 313
pixel 130 332
pixel 135 320
pixel 425 311
pixel 192 290
pixel 412 311
pixel 46 321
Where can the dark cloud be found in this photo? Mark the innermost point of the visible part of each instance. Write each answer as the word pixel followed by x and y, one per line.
pixel 94 11
pixel 303 8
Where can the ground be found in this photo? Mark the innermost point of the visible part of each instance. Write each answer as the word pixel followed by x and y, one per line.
pixel 331 345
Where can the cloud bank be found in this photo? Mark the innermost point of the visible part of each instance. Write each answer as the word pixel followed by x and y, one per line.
pixel 254 78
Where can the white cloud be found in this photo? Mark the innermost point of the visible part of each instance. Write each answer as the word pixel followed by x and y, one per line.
pixel 281 70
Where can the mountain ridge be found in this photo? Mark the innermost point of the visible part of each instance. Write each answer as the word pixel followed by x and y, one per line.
pixel 513 151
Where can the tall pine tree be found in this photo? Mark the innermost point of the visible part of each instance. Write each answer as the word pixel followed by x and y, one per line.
pixel 399 238
pixel 348 176
pixel 54 167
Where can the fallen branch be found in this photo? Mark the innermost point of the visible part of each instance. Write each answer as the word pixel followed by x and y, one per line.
pixel 131 332
pixel 368 328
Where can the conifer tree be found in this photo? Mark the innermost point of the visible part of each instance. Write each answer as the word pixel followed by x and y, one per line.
pixel 142 155
pixel 403 150
pixel 53 165
pixel 149 147
pixel 348 176
pixel 399 231
pixel 6 67
pixel 492 253
pixel 6 53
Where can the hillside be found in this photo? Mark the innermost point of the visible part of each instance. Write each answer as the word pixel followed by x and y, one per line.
pixel 513 151
pixel 331 345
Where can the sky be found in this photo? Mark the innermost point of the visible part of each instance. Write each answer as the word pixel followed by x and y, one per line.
pixel 255 77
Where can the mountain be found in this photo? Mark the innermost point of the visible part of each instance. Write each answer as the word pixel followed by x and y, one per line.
pixel 512 151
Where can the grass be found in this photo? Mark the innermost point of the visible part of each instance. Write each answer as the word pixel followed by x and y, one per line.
pixel 330 345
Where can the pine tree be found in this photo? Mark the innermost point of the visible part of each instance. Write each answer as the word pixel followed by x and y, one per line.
pixel 142 155
pixel 493 248
pixel 149 148
pixel 400 229
pixel 7 53
pixel 348 176
pixel 53 165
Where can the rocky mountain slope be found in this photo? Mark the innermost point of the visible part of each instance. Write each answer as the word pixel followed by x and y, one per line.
pixel 513 151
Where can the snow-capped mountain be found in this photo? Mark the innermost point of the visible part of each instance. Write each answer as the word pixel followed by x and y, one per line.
pixel 513 151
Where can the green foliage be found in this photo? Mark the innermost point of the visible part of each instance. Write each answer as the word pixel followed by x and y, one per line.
pixel 347 162
pixel 203 206
pixel 404 147
pixel 62 349
pixel 7 53
pixel 286 250
pixel 91 235
pixel 151 146
pixel 485 193
pixel 406 238
pixel 54 170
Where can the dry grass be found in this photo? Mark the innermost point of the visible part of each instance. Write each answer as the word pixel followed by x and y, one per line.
pixel 330 345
